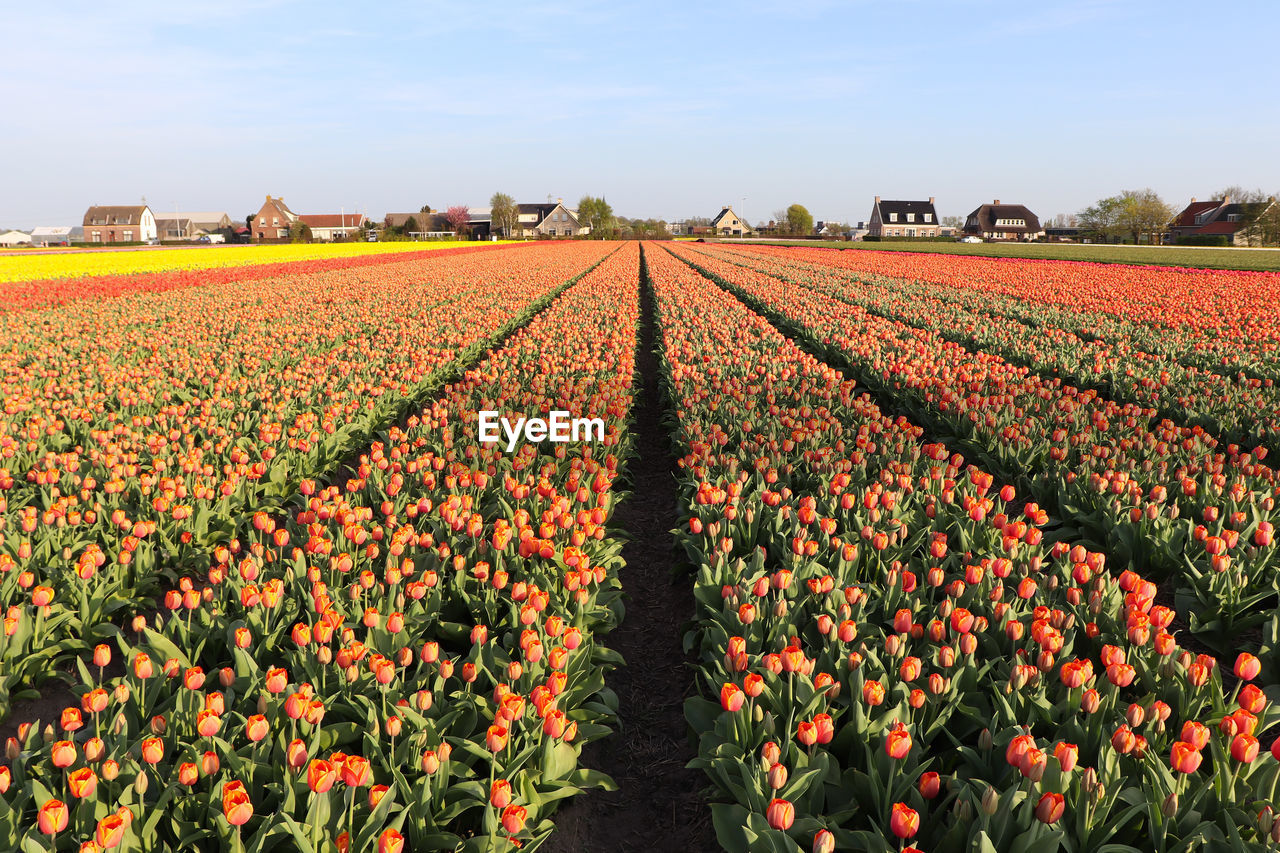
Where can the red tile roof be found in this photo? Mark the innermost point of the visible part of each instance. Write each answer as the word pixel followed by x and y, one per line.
pixel 1187 218
pixel 1220 227
pixel 333 220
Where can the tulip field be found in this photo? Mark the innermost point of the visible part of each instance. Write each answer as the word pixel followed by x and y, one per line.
pixel 980 552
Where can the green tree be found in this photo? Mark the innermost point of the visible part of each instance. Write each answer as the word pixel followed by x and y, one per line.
pixel 505 214
pixel 1142 213
pixel 410 225
pixel 299 232
pixel 1100 220
pixel 799 220
pixel 597 214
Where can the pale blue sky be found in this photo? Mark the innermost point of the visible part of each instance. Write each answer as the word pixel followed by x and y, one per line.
pixel 667 109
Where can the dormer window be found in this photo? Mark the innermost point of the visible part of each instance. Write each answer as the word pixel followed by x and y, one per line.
pixel 893 217
pixel 911 217
pixel 928 217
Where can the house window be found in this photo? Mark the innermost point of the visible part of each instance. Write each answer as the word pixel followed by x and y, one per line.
pixel 275 222
pixel 262 220
pixel 928 217
pixel 893 217
pixel 97 236
pixel 911 217
pixel 1233 217
pixel 128 236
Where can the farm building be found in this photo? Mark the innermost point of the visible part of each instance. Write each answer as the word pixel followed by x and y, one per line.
pixel 190 225
pixel 53 235
pixel 134 223
pixel 15 238
pixel 903 219
pixel 998 221
pixel 422 226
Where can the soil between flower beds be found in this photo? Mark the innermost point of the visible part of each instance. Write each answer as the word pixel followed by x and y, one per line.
pixel 659 805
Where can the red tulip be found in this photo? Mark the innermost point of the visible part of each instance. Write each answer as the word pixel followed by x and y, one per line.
pixel 1049 809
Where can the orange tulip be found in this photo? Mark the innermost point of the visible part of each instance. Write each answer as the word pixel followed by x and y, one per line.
pixel 53 817
pixel 780 814
pixel 390 841
pixel 83 782
pixel 1184 757
pixel 320 775
pixel 513 818
pixel 110 831
pixel 904 821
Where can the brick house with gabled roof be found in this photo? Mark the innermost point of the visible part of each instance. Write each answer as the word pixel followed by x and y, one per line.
pixel 903 219
pixel 998 221
pixel 119 224
pixel 1215 218
pixel 273 220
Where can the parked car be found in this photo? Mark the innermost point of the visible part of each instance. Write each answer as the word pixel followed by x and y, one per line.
pixel 971 239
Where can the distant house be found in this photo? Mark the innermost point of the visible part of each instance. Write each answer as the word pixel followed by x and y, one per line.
pixel 903 219
pixel 190 225
pixel 332 226
pixel 548 220
pixel 53 235
pixel 998 221
pixel 119 224
pixel 1215 218
pixel 726 223
pixel 420 226
pixel 15 238
pixel 273 221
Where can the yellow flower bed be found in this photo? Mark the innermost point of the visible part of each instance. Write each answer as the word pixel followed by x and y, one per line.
pixel 71 263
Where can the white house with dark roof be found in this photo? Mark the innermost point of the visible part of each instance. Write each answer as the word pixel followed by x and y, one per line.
pixel 903 219
pixel 548 220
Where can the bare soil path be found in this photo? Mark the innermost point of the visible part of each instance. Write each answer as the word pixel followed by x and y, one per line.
pixel 659 805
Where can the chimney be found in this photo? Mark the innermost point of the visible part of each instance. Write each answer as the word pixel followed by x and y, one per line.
pixel 1193 199
pixel 877 199
pixel 559 201
pixel 997 201
pixel 930 199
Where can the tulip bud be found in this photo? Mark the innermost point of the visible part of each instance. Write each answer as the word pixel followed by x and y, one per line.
pixel 1266 819
pixel 984 740
pixel 1170 806
pixel 990 801
pixel 141 783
